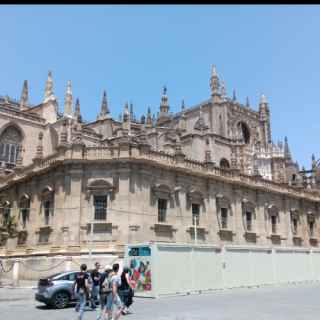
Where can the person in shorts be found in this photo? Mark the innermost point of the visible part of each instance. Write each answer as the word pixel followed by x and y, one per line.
pixel 81 290
pixel 113 299
pixel 104 291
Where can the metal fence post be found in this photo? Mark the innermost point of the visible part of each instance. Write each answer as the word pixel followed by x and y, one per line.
pixel 15 272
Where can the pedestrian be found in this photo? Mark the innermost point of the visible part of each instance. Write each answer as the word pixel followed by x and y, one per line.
pixel 126 290
pixel 104 291
pixel 81 289
pixel 95 287
pixel 113 299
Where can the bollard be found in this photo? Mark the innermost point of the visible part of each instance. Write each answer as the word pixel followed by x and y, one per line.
pixel 68 264
pixel 15 272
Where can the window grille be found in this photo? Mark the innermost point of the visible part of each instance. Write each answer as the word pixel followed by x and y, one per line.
pixel 274 224
pixel 295 225
pixel 195 214
pixel 311 228
pixel 249 220
pixel 162 210
pixel 224 218
pixel 100 207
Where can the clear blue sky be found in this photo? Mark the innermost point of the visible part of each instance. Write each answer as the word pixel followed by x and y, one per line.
pixel 132 51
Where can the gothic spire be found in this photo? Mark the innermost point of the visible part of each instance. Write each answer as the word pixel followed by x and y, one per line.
pixel 77 111
pixel 131 111
pixel 214 81
pixel 68 101
pixel 234 97
pixel 182 105
pixel 247 102
pixel 24 100
pixel 104 107
pixel 149 117
pixel 48 94
pixel 287 153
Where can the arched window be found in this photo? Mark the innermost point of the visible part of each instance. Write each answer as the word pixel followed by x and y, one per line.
pixel 47 204
pixel 274 217
pixel 244 132
pixel 10 144
pixel 248 215
pixel 224 164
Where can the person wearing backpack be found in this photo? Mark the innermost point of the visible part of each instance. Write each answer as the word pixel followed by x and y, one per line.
pixel 104 291
pixel 113 299
pixel 81 289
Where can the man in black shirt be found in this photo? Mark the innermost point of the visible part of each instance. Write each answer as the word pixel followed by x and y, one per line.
pixel 96 281
pixel 80 289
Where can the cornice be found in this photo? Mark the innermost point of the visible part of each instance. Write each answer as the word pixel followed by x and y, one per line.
pixel 132 154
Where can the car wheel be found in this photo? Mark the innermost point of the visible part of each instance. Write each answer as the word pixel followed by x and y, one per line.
pixel 60 300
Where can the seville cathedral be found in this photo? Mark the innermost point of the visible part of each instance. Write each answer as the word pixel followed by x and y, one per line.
pixel 210 173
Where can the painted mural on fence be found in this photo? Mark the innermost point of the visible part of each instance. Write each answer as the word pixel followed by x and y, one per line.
pixel 140 268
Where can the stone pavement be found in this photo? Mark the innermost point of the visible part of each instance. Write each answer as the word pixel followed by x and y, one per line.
pixel 300 302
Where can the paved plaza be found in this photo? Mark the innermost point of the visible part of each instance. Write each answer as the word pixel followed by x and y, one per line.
pixel 299 302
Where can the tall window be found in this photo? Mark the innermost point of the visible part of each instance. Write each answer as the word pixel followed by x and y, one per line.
pixel 224 218
pixel 274 224
pixel 100 207
pixel 195 214
pixel 24 210
pixel 47 211
pixel 10 143
pixel 295 225
pixel 311 227
pixel 162 210
pixel 249 220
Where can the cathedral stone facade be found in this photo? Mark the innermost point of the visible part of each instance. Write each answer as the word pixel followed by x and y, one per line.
pixel 210 174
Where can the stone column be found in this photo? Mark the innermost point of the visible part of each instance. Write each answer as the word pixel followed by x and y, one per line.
pixel 74 214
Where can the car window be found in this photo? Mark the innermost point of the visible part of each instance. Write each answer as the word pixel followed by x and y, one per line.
pixel 72 276
pixel 67 277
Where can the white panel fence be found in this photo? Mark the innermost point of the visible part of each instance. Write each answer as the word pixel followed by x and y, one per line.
pixel 182 269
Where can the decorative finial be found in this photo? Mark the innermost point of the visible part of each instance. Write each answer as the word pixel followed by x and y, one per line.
pixel 214 81
pixel 48 94
pixel 234 97
pixel 263 99
pixel 214 71
pixel 68 100
pixel 126 113
pixel 131 111
pixel 24 100
pixel 77 111
pixel 149 117
pixel 247 102
pixel 223 91
pixel 182 105
pixel 164 90
pixel 287 153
